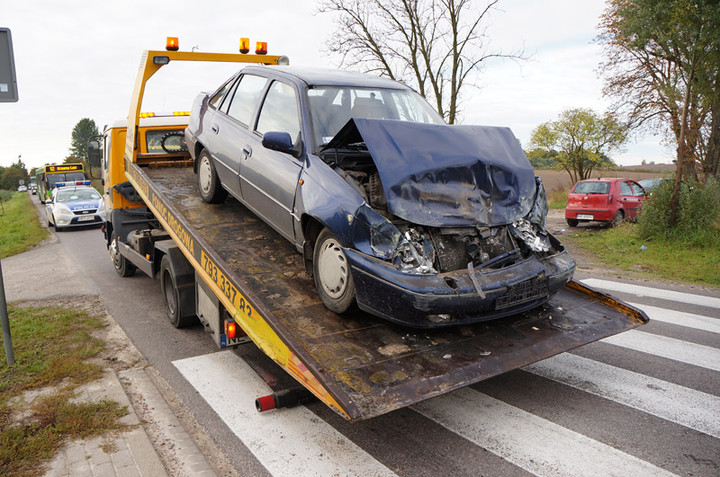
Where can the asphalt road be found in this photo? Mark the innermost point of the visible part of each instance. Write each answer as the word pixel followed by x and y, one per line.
pixel 642 405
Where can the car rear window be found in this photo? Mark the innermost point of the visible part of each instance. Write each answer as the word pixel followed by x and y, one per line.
pixel 592 188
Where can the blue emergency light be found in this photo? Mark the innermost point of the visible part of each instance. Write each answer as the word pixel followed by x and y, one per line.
pixel 72 183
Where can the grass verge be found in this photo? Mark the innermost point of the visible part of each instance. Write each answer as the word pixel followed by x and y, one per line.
pixel 52 346
pixel 20 229
pixel 621 247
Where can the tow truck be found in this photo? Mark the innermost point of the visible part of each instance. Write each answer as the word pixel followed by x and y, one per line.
pixel 246 284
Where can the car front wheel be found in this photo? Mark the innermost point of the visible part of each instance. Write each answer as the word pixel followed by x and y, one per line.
pixel 208 182
pixel 331 271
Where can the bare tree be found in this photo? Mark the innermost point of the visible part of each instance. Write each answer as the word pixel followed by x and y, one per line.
pixel 435 46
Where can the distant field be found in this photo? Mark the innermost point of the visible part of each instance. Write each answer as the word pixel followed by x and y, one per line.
pixel 560 180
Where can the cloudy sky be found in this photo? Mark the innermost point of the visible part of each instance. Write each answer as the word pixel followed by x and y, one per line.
pixel 79 58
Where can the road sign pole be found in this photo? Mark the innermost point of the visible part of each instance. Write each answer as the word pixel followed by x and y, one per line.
pixel 5 322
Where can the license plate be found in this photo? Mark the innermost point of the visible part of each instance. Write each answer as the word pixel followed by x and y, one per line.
pixel 585 217
pixel 523 292
pixel 86 218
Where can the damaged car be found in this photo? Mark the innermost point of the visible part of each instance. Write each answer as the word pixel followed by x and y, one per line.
pixel 395 212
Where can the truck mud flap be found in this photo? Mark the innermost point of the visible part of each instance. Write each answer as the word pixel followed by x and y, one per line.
pixel 358 365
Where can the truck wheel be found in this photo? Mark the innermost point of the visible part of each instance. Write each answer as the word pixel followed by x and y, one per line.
pixel 331 271
pixel 171 296
pixel 122 265
pixel 208 182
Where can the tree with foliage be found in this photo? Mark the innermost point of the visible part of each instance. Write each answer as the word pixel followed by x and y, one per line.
pixel 435 46
pixel 581 140
pixel 81 133
pixel 11 176
pixel 663 68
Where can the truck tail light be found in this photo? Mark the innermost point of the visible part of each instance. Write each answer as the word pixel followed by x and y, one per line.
pixel 230 329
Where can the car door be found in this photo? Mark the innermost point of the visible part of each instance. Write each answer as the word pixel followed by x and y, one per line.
pixel 628 201
pixel 230 129
pixel 269 178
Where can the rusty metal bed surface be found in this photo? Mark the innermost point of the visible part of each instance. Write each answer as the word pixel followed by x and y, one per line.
pixel 368 365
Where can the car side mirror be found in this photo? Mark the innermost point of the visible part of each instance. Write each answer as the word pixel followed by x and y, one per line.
pixel 94 151
pixel 281 142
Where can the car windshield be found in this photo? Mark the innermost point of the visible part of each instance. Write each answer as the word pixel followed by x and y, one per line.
pixel 332 106
pixel 592 188
pixel 78 194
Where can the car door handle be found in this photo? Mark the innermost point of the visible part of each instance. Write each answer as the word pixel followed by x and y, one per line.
pixel 215 128
pixel 246 151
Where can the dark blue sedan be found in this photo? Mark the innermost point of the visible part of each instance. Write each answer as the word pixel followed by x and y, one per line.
pixel 395 212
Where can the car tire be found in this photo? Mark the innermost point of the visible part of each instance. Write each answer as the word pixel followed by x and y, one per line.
pixel 331 272
pixel 208 181
pixel 57 229
pixel 618 218
pixel 171 296
pixel 122 265
pixel 573 222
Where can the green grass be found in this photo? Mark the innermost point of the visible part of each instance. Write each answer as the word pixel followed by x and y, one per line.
pixel 51 347
pixel 557 198
pixel 20 229
pixel 620 247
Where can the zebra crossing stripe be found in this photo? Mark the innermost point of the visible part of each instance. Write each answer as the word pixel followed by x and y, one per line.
pixel 639 290
pixel 294 442
pixel 669 401
pixel 670 348
pixel 680 318
pixel 528 441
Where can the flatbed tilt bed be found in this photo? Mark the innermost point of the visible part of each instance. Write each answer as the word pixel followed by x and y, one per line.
pixel 359 365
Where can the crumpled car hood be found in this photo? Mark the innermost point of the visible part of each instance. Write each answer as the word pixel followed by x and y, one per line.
pixel 444 176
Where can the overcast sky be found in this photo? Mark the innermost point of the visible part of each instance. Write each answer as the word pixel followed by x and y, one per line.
pixel 79 58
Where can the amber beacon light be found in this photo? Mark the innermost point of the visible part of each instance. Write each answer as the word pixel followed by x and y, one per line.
pixel 261 48
pixel 172 44
pixel 244 45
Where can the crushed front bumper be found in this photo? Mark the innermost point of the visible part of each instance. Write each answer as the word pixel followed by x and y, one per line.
pixel 451 299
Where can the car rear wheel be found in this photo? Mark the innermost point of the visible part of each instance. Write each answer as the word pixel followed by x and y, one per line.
pixel 331 271
pixel 573 222
pixel 122 265
pixel 618 218
pixel 208 182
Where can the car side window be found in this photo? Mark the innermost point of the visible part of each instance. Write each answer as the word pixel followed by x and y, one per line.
pixel 215 100
pixel 625 188
pixel 280 111
pixel 638 189
pixel 246 97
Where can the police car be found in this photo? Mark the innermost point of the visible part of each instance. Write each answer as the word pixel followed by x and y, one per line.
pixel 74 204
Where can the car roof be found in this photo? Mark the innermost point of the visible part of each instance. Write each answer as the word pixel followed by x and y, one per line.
pixel 77 187
pixel 325 77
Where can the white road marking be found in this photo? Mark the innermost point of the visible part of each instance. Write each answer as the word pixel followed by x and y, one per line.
pixel 530 442
pixel 672 402
pixel 688 320
pixel 671 348
pixel 292 442
pixel 639 290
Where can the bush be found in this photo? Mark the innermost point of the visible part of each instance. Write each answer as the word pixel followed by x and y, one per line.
pixel 698 214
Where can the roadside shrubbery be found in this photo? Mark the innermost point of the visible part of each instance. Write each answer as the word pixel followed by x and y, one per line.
pixel 698 214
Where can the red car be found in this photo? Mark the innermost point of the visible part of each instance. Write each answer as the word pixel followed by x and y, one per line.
pixel 604 200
